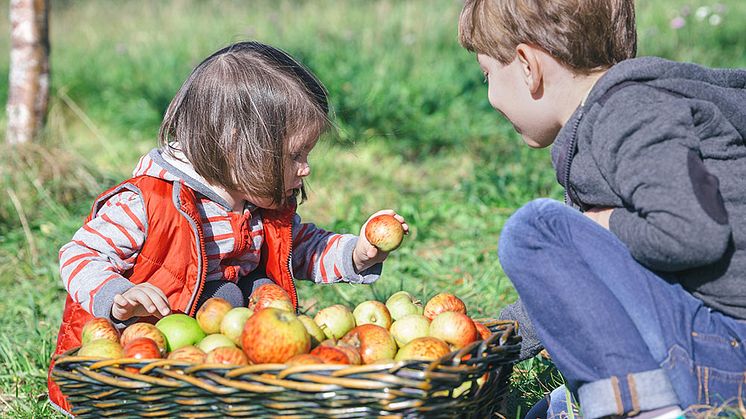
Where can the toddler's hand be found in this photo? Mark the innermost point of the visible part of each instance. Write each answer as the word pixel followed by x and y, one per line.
pixel 365 254
pixel 140 301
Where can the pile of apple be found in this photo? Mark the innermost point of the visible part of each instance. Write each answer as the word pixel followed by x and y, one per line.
pixel 269 331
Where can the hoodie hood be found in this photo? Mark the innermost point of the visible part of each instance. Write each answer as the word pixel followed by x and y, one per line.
pixel 174 167
pixel 726 88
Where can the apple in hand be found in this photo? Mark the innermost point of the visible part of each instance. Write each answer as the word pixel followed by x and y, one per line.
pixel 385 232
pixel 402 303
pixel 454 328
pixel 143 330
pixel 180 330
pixel 409 327
pixel 274 336
pixel 102 348
pixel 216 340
pixel 444 302
pixel 313 329
pixel 424 348
pixel 372 312
pixel 211 313
pixel 335 320
pixel 373 342
pixel 188 353
pixel 99 328
pixel 227 356
pixel 233 322
pixel 270 295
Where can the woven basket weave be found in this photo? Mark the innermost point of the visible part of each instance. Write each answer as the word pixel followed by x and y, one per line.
pixel 404 389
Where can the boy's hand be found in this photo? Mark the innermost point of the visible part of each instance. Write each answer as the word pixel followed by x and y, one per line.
pixel 600 215
pixel 140 301
pixel 365 254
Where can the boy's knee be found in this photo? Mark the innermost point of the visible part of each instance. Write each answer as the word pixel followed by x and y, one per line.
pixel 527 228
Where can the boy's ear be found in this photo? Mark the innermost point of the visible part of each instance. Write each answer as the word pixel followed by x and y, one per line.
pixel 531 69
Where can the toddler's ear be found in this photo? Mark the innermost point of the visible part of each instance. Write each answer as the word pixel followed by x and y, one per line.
pixel 531 66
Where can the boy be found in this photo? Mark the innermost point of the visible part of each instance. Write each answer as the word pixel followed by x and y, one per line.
pixel 647 315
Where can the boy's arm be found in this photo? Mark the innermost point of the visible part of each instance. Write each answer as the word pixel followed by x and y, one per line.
pixel 646 147
pixel 92 263
pixel 326 257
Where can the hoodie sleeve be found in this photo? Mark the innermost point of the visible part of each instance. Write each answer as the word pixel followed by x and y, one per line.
pixel 326 257
pixel 92 263
pixel 646 146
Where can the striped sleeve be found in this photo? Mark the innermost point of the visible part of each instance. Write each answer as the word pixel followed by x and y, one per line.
pixel 92 263
pixel 326 257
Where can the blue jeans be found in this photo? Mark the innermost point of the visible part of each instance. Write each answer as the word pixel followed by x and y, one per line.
pixel 625 339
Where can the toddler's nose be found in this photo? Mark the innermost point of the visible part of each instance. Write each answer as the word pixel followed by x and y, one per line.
pixel 304 170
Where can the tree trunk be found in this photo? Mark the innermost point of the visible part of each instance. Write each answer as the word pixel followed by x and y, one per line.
pixel 28 92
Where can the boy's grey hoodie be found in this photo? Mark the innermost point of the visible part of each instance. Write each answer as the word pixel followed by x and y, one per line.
pixel 662 142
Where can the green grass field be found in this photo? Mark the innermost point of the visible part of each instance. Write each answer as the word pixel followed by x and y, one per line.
pixel 414 133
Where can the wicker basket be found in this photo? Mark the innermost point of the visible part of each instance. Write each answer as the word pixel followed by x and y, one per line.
pixel 404 389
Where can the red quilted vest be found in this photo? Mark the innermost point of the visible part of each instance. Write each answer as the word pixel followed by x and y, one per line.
pixel 173 256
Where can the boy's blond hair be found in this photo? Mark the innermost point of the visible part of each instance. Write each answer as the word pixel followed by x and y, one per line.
pixel 584 35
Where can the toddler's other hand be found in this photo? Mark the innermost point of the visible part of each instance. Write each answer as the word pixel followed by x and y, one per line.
pixel 365 254
pixel 600 215
pixel 140 301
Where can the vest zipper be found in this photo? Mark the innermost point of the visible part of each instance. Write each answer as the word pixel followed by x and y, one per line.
pixel 290 269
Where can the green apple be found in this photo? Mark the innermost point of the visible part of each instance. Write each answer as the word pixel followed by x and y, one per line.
pixel 372 312
pixel 233 322
pixel 335 320
pixel 180 330
pixel 313 329
pixel 401 304
pixel 409 328
pixel 102 348
pixel 213 341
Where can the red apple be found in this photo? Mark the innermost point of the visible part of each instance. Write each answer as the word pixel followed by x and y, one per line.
pixel 180 330
pixel 188 353
pixel 99 328
pixel 384 231
pixel 372 312
pixel 216 340
pixel 233 323
pixel 211 314
pixel 332 355
pixel 227 356
pixel 142 348
pixel 401 304
pixel 270 295
pixel 425 348
pixel 335 320
pixel 455 329
pixel 483 331
pixel 443 302
pixel 373 342
pixel 313 329
pixel 102 348
pixel 352 353
pixel 272 335
pixel 304 359
pixel 143 330
pixel 410 327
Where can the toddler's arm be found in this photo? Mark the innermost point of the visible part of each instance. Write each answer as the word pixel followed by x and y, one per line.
pixel 326 257
pixel 648 151
pixel 92 263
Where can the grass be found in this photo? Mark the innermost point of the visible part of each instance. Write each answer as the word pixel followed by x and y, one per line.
pixel 415 133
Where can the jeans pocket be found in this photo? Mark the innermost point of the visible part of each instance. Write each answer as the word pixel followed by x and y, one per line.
pixel 717 387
